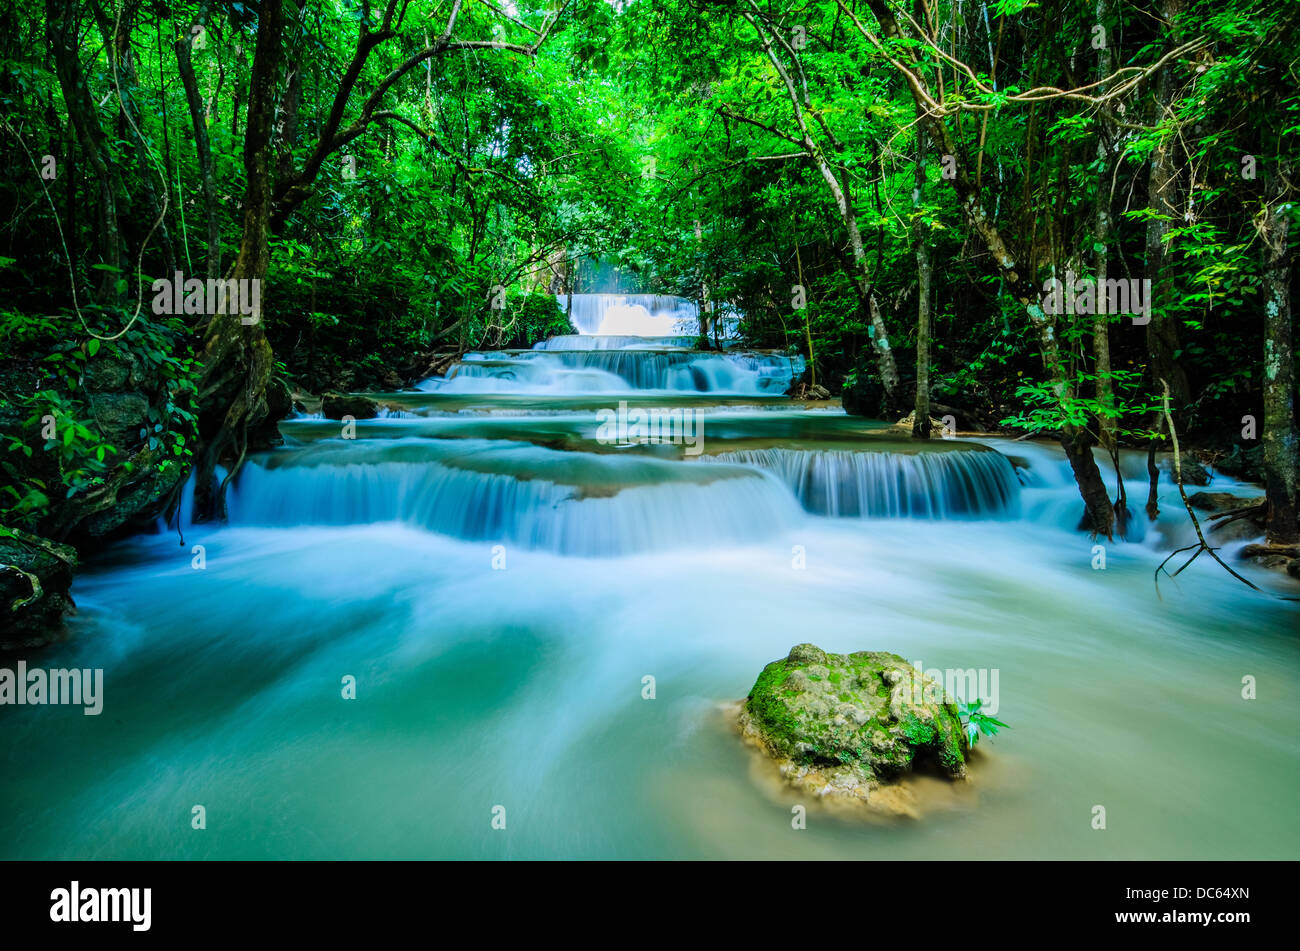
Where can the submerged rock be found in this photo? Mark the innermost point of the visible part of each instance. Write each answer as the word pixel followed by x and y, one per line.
pixel 842 725
pixel 338 405
pixel 1221 527
pixel 1216 502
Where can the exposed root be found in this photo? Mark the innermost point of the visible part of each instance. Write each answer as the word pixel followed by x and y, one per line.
pixel 1202 545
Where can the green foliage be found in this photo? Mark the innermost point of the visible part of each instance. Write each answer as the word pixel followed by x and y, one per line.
pixel 977 723
pixel 1049 411
pixel 59 450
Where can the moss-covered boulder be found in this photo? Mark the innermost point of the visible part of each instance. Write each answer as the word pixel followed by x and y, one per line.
pixel 844 724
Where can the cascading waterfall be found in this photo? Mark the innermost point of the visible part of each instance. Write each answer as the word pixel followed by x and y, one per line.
pixel 626 342
pixel 486 490
pixel 614 342
pixel 608 370
pixel 642 315
pixel 948 484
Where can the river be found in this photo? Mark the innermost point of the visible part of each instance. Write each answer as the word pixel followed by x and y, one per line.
pixel 500 579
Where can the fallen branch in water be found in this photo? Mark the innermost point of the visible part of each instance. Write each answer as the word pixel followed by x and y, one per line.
pixel 1231 515
pixel 1258 551
pixel 1202 544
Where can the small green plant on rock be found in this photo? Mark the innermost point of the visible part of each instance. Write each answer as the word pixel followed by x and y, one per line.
pixel 974 722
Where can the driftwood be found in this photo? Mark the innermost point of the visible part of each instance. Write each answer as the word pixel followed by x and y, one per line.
pixel 427 365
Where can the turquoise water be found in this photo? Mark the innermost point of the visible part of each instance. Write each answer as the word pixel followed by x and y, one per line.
pixel 500 585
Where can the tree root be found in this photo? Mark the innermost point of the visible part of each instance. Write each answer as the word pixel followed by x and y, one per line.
pixel 1202 545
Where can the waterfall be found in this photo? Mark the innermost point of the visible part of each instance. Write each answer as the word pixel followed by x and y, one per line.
pixel 626 342
pixel 615 342
pixel 949 484
pixel 645 315
pixel 573 371
pixel 495 491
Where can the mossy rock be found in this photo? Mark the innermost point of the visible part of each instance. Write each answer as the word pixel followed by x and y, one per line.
pixel 35 578
pixel 338 405
pixel 844 724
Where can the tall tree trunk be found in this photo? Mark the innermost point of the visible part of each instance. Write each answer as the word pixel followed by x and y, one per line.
pixel 116 33
pixel 885 363
pixel 202 144
pixel 61 32
pixel 807 314
pixel 71 227
pixel 1101 230
pixel 236 356
pixel 702 303
pixel 1279 436
pixel 1076 442
pixel 1162 331
pixel 921 241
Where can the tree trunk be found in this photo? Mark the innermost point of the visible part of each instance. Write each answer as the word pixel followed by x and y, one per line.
pixel 1099 516
pixel 116 34
pixel 702 303
pixel 236 356
pixel 921 241
pixel 1162 331
pixel 61 32
pixel 202 145
pixel 1101 229
pixel 885 363
pixel 807 315
pixel 1279 436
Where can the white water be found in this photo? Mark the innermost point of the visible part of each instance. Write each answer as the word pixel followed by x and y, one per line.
pixel 921 485
pixel 636 315
pixel 556 372
pixel 615 342
pixel 499 588
pixel 536 498
pixel 625 343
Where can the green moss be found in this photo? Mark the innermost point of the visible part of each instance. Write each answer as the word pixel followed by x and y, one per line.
pixel 766 707
pixel 841 717
pixel 918 733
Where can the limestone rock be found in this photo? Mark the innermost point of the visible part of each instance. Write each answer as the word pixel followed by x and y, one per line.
pixel 844 724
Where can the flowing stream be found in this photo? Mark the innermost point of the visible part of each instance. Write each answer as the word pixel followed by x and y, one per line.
pixel 499 576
